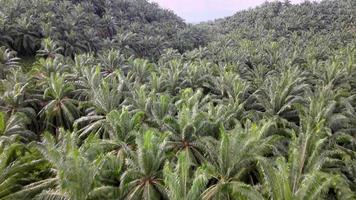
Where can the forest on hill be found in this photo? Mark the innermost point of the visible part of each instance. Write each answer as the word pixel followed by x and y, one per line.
pixel 121 99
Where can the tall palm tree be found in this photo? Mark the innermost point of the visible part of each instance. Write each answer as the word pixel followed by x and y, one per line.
pixel 27 38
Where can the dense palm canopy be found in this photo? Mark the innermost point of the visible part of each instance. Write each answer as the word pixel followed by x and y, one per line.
pixel 118 99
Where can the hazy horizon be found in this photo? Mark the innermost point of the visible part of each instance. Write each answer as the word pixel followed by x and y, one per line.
pixel 195 11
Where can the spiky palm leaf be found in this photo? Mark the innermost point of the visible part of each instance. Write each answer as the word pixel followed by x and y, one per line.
pixel 234 156
pixel 181 182
pixel 143 178
pixel 20 167
pixel 8 61
pixel 60 109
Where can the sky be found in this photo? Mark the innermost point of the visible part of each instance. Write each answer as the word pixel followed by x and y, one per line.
pixel 194 11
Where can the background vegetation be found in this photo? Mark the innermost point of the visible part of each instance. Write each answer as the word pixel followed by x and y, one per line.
pixel 118 99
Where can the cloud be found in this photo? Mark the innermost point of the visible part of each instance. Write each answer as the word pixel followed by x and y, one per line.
pixel 202 10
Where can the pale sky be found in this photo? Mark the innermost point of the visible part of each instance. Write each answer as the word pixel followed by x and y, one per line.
pixel 202 10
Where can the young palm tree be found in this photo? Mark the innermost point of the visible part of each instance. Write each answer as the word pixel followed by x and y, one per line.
pixel 232 160
pixel 232 98
pixel 143 178
pixel 76 169
pixel 50 49
pixel 187 131
pixel 308 173
pixel 198 76
pixel 17 96
pixel 181 182
pixel 172 73
pixel 8 60
pixel 280 92
pixel 123 126
pixel 278 182
pixel 230 85
pixel 20 167
pixel 332 74
pixel 142 122
pixel 86 77
pixel 104 98
pixel 158 107
pixel 44 68
pixel 325 105
pixel 139 70
pixel 60 110
pixel 16 125
pixel 14 99
pixel 111 61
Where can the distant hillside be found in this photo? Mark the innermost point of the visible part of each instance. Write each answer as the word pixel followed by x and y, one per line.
pixel 301 30
pixel 284 19
pixel 142 29
pixel 136 26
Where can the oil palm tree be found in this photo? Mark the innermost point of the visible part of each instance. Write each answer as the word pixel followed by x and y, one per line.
pixel 198 76
pixel 308 173
pixel 123 125
pixel 27 39
pixel 20 168
pixel 44 68
pixel 16 95
pixel 277 177
pixel 232 161
pixel 187 132
pixel 104 98
pixel 112 61
pixel 158 107
pixel 86 77
pixel 8 60
pixel 181 182
pixel 172 73
pixel 280 92
pixel 75 169
pixel 140 70
pixel 16 125
pixel 60 109
pixel 49 49
pixel 143 178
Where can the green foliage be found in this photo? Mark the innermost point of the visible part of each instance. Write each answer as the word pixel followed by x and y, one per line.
pixel 179 181
pixel 138 27
pixel 125 101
